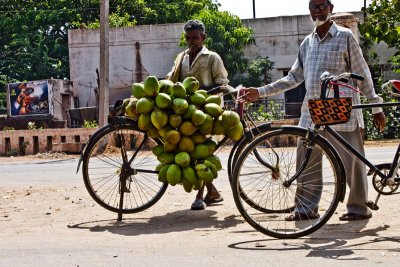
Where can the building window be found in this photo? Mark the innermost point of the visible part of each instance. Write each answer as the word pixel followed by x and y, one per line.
pixel 76 102
pixel 294 99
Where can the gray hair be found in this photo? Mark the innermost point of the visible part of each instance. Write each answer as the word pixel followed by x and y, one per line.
pixel 193 25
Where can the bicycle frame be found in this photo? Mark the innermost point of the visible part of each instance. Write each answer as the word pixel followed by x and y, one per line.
pixel 329 83
pixel 341 80
pixel 395 164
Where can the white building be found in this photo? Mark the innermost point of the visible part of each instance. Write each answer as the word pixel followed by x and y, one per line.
pixel 138 51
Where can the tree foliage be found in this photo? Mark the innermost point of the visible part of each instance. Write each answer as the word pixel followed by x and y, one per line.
pixel 34 40
pixel 34 33
pixel 256 74
pixel 228 37
pixel 382 24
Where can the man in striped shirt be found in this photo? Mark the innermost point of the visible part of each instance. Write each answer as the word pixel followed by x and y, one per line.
pixel 333 49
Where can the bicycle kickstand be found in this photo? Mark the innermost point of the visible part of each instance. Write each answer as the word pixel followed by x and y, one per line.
pixel 373 205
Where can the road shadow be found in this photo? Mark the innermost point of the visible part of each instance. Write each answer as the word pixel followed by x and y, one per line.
pixel 177 221
pixel 335 241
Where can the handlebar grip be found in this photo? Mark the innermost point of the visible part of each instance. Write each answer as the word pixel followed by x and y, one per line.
pixel 214 90
pixel 357 77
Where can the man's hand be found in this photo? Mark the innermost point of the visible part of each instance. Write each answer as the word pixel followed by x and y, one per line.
pixel 380 121
pixel 251 94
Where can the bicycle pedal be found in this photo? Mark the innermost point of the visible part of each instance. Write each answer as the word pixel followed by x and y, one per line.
pixel 372 205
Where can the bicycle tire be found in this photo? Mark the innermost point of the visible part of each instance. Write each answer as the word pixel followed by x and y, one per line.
pixel 103 167
pixel 234 156
pixel 239 146
pixel 266 188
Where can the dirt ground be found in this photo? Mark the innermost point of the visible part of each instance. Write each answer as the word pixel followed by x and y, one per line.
pixel 58 224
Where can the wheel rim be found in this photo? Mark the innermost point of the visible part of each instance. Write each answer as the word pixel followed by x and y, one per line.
pixel 268 201
pixel 107 173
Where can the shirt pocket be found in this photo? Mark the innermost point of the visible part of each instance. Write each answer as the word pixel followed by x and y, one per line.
pixel 335 62
pixel 202 63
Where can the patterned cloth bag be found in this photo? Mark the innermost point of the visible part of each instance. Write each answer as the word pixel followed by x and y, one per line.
pixel 329 111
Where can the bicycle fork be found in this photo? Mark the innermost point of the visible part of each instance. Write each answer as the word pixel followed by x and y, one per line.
pixel 308 142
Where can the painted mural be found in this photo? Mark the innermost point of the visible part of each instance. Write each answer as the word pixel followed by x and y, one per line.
pixel 28 98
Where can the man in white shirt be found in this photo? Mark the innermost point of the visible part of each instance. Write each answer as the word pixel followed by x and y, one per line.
pixel 207 67
pixel 334 49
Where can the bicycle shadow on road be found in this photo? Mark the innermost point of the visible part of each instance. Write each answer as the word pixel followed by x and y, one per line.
pixel 337 242
pixel 176 221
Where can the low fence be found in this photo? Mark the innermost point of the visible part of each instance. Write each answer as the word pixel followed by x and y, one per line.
pixel 30 142
pixel 68 140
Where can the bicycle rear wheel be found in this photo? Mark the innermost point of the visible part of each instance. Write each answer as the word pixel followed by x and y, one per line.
pixel 264 185
pixel 119 169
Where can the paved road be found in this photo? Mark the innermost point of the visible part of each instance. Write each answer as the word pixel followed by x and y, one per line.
pixel 48 219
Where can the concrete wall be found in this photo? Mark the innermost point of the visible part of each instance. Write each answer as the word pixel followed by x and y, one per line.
pixel 62 94
pixel 135 52
pixel 60 99
pixel 138 51
pixel 28 142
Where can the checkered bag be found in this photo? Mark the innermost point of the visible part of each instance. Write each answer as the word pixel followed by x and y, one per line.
pixel 330 111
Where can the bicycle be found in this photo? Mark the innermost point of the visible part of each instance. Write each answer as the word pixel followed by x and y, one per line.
pixel 118 165
pixel 287 151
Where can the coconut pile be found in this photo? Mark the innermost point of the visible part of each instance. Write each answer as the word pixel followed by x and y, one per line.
pixel 184 118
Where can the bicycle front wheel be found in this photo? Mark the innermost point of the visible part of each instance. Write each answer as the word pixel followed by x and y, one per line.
pixel 314 195
pixel 119 169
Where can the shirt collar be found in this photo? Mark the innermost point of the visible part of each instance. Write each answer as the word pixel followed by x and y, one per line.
pixel 204 50
pixel 333 30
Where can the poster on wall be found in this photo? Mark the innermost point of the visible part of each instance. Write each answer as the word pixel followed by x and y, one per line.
pixel 28 98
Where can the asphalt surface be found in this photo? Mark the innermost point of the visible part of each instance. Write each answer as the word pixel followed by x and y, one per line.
pixel 48 219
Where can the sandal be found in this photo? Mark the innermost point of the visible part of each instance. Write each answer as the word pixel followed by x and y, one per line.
pixel 198 204
pixel 211 201
pixel 354 217
pixel 297 216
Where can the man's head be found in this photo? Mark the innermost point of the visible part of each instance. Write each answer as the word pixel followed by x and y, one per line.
pixel 194 34
pixel 320 11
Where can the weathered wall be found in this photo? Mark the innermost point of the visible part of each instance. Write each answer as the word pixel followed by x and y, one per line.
pixel 277 37
pixel 135 52
pixel 28 142
pixel 62 93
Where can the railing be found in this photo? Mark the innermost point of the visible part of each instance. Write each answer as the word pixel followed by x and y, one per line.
pixel 264 109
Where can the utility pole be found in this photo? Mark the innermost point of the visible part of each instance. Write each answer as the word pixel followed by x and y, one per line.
pixel 365 8
pixel 104 63
pixel 254 9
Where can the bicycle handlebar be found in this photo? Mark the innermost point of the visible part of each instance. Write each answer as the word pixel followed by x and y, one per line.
pixel 343 77
pixel 356 76
pixel 214 90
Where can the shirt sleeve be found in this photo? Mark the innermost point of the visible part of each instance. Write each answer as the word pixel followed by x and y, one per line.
pixel 218 71
pixel 359 66
pixel 169 74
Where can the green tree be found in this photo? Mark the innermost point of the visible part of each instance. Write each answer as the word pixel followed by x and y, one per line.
pixel 256 74
pixel 34 40
pixel 228 37
pixel 382 25
pixel 34 33
pixel 142 12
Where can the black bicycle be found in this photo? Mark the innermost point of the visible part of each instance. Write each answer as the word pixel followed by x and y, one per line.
pixel 290 179
pixel 118 165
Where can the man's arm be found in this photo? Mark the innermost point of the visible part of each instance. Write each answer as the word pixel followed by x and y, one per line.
pixel 173 75
pixel 360 66
pixel 218 71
